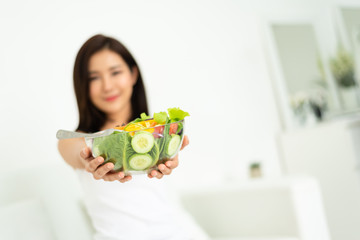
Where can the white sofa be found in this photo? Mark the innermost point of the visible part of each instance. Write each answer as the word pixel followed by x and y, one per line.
pixel 45 202
pixel 264 209
pixel 42 203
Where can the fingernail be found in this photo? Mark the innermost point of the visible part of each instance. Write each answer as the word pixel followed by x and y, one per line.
pixel 99 160
pixel 108 166
pixel 168 164
pixel 155 174
pixel 84 151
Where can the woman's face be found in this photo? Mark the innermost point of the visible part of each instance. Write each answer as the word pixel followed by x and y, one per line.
pixel 111 82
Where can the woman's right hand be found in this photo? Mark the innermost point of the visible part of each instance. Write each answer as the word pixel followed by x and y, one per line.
pixel 92 165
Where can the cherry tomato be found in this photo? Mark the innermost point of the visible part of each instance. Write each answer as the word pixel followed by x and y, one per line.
pixel 158 131
pixel 173 128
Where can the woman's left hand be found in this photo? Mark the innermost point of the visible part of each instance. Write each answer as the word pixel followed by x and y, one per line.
pixel 166 169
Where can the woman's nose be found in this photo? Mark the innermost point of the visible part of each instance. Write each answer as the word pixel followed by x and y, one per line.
pixel 107 84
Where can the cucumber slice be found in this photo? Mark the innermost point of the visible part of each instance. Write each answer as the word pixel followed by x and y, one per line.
pixel 142 142
pixel 140 161
pixel 173 145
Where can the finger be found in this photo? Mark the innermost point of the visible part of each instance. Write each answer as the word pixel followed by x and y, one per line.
pixel 156 174
pixel 85 153
pixel 92 165
pixel 125 179
pixel 172 163
pixel 101 171
pixel 164 170
pixel 159 175
pixel 114 176
pixel 185 142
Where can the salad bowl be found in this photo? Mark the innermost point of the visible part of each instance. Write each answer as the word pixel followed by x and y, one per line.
pixel 140 146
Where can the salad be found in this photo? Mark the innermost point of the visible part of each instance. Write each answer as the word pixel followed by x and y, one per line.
pixel 142 144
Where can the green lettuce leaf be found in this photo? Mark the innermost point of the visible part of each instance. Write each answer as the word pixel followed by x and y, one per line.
pixel 176 114
pixel 136 120
pixel 115 148
pixel 163 141
pixel 128 151
pixel 160 117
pixel 180 127
pixel 155 153
pixel 144 117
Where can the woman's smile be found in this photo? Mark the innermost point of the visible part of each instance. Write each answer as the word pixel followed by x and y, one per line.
pixel 111 98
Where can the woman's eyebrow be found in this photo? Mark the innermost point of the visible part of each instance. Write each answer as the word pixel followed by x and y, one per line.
pixel 110 69
pixel 115 67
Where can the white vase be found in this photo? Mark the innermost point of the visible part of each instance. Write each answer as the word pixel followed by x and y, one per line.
pixel 306 117
pixel 350 97
pixel 311 119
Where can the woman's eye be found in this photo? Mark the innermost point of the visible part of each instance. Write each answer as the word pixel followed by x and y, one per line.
pixel 116 73
pixel 93 78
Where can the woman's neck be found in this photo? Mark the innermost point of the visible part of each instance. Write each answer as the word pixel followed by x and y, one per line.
pixel 119 118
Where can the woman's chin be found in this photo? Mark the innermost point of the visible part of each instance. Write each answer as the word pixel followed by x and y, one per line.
pixel 111 110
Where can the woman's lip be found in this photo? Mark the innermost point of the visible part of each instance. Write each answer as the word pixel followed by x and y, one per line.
pixel 110 99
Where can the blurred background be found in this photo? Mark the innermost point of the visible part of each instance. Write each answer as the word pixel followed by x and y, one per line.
pixel 272 88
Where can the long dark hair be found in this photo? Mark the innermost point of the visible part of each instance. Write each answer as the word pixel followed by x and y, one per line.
pixel 91 119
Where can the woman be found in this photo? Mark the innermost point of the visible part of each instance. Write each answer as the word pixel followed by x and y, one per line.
pixel 109 91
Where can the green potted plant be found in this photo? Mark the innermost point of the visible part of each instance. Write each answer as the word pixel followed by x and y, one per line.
pixel 342 68
pixel 255 170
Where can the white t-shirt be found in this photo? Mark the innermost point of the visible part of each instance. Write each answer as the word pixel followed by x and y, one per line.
pixel 137 209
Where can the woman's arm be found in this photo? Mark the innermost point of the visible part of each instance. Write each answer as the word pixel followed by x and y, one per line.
pixel 75 152
pixel 70 151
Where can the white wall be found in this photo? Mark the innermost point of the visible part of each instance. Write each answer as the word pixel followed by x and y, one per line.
pixel 203 56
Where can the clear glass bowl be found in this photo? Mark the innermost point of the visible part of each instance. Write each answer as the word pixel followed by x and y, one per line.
pixel 140 151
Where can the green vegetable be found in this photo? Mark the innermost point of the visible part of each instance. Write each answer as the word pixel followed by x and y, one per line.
pixel 114 148
pixel 142 142
pixel 163 141
pixel 160 117
pixel 176 114
pixel 142 151
pixel 144 117
pixel 180 127
pixel 155 153
pixel 172 145
pixel 140 161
